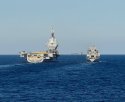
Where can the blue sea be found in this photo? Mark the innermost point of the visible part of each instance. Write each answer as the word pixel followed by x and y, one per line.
pixel 70 78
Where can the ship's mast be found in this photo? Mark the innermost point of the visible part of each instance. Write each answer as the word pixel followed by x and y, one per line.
pixel 52 32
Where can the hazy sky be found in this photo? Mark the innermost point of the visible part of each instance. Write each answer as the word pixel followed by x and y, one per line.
pixel 26 24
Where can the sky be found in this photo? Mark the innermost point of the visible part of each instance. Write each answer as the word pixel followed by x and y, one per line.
pixel 78 24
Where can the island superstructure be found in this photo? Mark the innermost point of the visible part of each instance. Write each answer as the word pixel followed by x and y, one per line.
pixel 52 46
pixel 92 54
pixel 40 56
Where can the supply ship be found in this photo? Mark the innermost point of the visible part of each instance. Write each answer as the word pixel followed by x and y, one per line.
pixel 93 54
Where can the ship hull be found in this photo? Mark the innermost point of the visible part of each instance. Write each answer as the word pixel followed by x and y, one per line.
pixel 35 59
pixel 39 58
pixel 92 60
pixel 93 57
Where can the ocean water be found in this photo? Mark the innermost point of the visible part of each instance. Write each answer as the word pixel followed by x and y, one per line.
pixel 68 79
